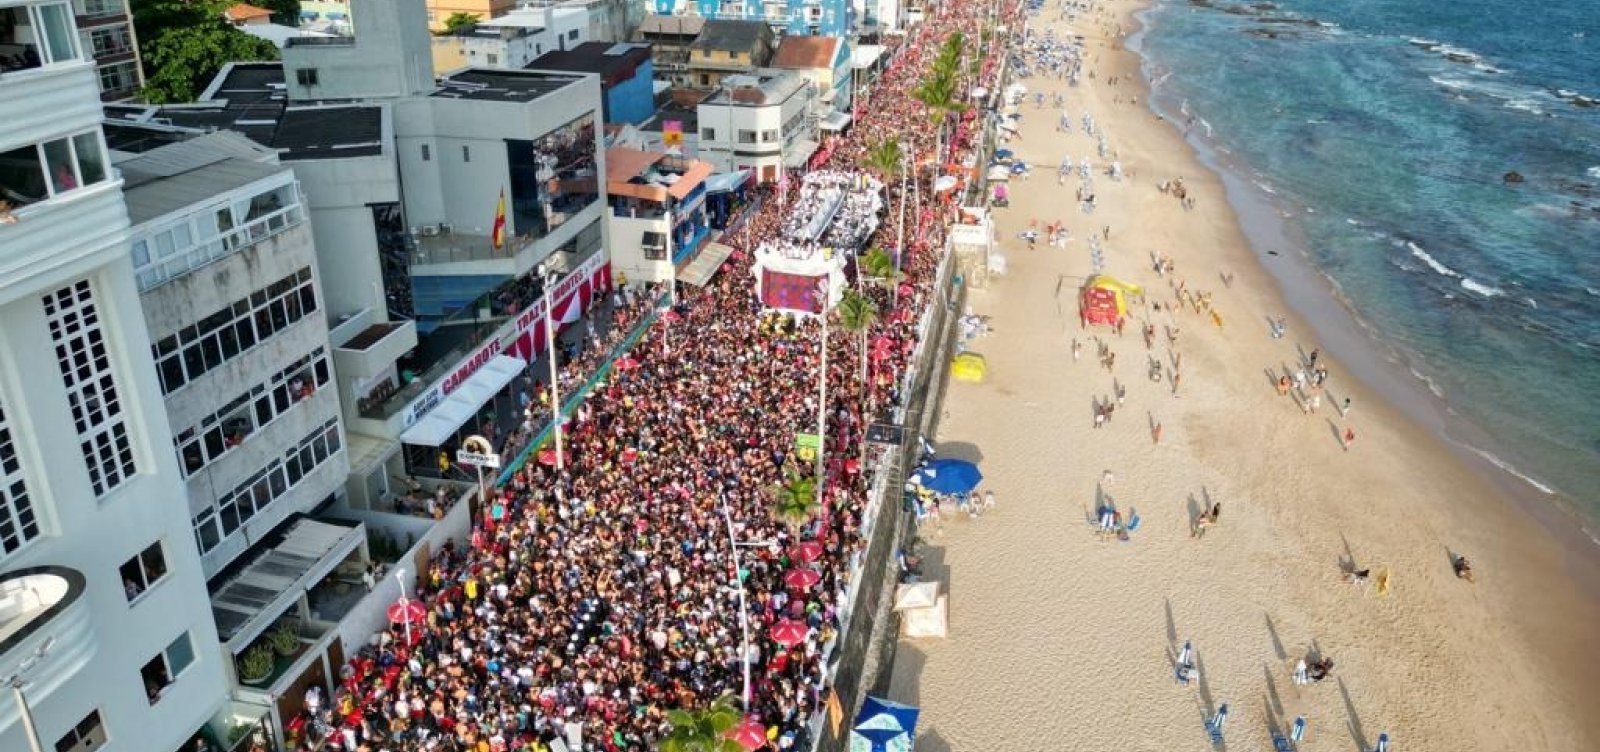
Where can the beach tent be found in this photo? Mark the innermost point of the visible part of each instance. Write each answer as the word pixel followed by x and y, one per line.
pixel 999 172
pixel 923 611
pixel 969 367
pixel 1104 299
pixel 883 726
pixel 916 595
pixel 949 476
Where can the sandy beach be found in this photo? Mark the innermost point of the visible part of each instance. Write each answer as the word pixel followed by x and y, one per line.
pixel 1060 640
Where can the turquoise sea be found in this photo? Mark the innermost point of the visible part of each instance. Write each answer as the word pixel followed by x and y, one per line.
pixel 1380 134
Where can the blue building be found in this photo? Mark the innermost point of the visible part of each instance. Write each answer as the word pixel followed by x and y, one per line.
pixel 626 72
pixel 798 17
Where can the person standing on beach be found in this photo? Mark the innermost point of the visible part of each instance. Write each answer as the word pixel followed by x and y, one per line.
pixel 1155 434
pixel 1349 438
pixel 1344 411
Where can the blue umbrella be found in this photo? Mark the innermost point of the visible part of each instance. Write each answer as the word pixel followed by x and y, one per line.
pixel 884 726
pixel 950 476
pixel 1003 153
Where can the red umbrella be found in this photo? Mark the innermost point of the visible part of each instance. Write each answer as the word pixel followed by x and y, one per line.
pixel 807 552
pixel 629 455
pixel 671 315
pixel 407 611
pixel 626 364
pixel 801 578
pixel 789 633
pixel 547 457
pixel 750 734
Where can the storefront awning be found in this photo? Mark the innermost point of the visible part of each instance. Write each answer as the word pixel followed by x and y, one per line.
pixel 800 153
pixel 367 452
pixel 835 121
pixel 269 585
pixel 724 182
pixel 705 266
pixel 454 411
pixel 865 55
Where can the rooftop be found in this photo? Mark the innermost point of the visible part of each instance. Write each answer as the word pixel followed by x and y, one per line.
pixel 245 12
pixel 732 36
pixel 251 98
pixel 604 58
pixel 503 85
pixel 797 52
pixel 532 18
pixel 688 26
pixel 756 90
pixel 172 177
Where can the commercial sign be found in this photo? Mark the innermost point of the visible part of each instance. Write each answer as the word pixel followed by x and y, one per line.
pixel 500 341
pixel 806 446
pixel 476 451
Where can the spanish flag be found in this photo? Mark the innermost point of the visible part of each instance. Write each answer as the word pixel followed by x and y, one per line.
pixel 498 235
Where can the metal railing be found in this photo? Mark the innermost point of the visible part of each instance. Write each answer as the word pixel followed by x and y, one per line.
pixel 233 241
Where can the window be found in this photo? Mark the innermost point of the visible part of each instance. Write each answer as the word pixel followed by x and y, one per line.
pixel 85 363
pixel 218 433
pixel 233 330
pixel 18 523
pixel 117 78
pixel 89 734
pixel 427 154
pixel 166 667
pixel 143 571
pixel 306 76
pixel 654 245
pixel 110 40
pixel 466 153
pixel 101 8
pixel 769 137
pixel 36 172
pixel 708 134
pixel 705 79
pixel 35 36
pixel 747 137
pixel 572 34
pixel 493 59
pixel 237 507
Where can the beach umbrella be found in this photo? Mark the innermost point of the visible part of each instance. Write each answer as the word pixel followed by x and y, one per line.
pixel 884 726
pixel 950 476
pixel 671 315
pixel 406 611
pixel 801 578
pixel 749 734
pixel 807 552
pixel 626 363
pixel 1383 743
pixel 1004 153
pixel 789 633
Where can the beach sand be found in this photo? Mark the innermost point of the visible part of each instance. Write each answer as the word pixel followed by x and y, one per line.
pixel 1060 641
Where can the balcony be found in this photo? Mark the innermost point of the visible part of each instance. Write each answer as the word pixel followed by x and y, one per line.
pixel 38 607
pixel 154 271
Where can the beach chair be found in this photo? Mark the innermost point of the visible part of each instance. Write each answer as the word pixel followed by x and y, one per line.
pixel 1301 675
pixel 1214 726
pixel 1280 743
pixel 1383 743
pixel 1184 671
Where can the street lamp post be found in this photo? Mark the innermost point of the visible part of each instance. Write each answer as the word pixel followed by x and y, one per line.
pixel 822 391
pixel 16 682
pixel 405 611
pixel 738 581
pixel 550 352
pixel 672 289
pixel 900 237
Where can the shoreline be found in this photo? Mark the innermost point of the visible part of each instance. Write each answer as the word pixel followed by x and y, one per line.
pixel 1316 299
pixel 1055 633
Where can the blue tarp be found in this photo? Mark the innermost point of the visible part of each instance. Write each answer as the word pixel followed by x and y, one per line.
pixel 724 182
pixel 949 476
pixel 884 726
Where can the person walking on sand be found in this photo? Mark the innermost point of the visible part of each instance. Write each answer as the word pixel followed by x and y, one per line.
pixel 1344 410
pixel 1349 438
pixel 1155 434
pixel 1077 349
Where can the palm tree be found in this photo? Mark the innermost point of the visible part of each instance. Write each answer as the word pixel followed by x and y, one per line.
pixel 794 500
pixel 883 158
pixel 857 313
pixel 878 264
pixel 703 730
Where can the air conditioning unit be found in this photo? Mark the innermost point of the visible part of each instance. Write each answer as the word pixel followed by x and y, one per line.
pixel 429 231
pixel 444 228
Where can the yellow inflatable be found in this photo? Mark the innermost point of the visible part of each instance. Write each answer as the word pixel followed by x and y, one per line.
pixel 1116 287
pixel 969 367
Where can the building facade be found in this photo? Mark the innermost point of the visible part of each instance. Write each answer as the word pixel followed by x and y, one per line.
pixel 104 615
pixel 807 17
pixel 511 41
pixel 763 122
pixel 106 30
pixel 657 212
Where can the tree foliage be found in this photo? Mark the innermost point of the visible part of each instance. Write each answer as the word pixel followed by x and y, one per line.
pixel 883 157
pixel 703 730
pixel 857 314
pixel 458 21
pixel 185 42
pixel 795 499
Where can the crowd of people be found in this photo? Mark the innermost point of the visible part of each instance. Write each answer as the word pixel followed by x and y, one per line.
pixel 592 599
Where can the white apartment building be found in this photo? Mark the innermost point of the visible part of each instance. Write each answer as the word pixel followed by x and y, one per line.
pixel 764 122
pixel 513 40
pixel 103 610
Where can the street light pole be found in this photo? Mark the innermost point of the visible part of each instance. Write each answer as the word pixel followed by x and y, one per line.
pixel 672 289
pixel 405 611
pixel 744 610
pixel 900 240
pixel 822 392
pixel 550 352
pixel 16 682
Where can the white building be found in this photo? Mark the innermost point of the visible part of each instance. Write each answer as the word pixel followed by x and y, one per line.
pixel 763 122
pixel 513 40
pixel 97 568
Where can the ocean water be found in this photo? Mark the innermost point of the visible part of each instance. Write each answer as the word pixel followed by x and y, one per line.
pixel 1382 131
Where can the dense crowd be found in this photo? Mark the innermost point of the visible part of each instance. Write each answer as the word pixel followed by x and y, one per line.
pixel 594 599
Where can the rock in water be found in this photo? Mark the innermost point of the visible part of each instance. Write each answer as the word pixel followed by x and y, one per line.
pixel 1513 177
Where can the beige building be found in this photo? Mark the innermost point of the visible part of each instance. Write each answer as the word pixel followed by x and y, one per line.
pixel 728 48
pixel 439 10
